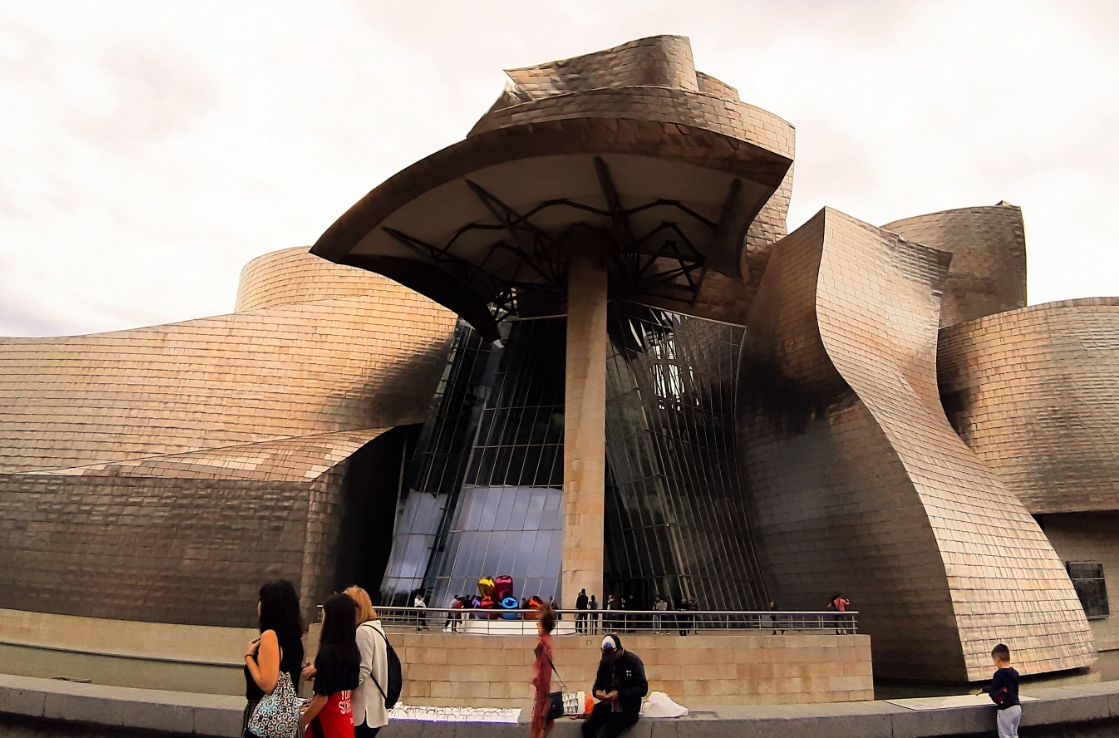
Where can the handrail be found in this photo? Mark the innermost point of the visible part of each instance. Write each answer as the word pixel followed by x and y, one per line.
pixel 494 621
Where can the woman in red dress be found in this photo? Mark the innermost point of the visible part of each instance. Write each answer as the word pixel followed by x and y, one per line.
pixel 335 673
pixel 542 674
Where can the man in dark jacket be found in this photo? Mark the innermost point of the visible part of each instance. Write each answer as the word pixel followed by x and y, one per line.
pixel 619 685
pixel 581 616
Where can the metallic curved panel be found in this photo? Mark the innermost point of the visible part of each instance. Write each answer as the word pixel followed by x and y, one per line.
pixel 293 276
pixel 369 360
pixel 858 482
pixel 1035 394
pixel 163 473
pixel 662 61
pixel 988 247
pixel 625 151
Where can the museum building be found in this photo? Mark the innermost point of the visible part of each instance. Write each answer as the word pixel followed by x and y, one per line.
pixel 579 347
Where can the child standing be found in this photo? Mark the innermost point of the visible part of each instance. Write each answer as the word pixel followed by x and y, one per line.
pixel 1003 691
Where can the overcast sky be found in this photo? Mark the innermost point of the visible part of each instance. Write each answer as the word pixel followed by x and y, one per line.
pixel 148 149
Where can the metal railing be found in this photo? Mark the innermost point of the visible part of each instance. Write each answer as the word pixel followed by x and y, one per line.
pixel 596 622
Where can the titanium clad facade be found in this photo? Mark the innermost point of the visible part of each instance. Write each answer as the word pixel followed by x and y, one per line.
pixel 164 473
pixel 860 485
pixel 1035 394
pixel 988 246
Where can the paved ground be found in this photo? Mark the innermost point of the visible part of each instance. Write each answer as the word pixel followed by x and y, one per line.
pixel 32 707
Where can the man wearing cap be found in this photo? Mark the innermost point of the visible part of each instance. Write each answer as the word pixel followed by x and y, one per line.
pixel 619 687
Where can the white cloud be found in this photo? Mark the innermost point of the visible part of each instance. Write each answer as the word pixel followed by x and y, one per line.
pixel 147 150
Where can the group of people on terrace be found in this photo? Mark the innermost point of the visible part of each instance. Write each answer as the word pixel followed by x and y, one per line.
pixel 356 678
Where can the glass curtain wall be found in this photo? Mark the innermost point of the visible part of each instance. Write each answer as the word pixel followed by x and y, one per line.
pixel 435 472
pixel 676 517
pixel 483 491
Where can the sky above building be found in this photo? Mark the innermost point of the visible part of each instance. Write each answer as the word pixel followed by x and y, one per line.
pixel 149 149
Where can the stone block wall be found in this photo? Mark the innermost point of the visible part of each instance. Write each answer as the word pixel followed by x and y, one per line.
pixel 698 671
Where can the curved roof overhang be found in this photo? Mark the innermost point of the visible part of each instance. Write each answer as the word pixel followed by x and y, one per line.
pixel 493 217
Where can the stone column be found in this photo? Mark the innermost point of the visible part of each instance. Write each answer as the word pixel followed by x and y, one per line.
pixel 584 436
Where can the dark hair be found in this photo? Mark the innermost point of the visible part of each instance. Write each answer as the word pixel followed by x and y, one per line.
pixel 1001 652
pixel 548 618
pixel 279 610
pixel 339 627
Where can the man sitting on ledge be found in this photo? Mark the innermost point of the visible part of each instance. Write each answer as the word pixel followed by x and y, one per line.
pixel 619 685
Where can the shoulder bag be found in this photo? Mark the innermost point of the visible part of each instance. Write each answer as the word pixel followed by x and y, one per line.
pixel 277 714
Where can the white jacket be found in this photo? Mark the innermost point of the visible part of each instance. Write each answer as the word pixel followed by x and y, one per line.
pixel 368 704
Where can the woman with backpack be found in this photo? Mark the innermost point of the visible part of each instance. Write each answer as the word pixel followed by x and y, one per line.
pixel 335 673
pixel 277 650
pixel 370 714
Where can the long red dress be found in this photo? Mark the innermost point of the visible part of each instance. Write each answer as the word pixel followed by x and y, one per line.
pixel 542 681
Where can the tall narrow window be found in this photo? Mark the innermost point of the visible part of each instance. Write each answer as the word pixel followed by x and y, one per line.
pixel 1087 578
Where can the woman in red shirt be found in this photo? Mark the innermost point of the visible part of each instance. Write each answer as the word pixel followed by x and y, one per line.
pixel 542 674
pixel 335 673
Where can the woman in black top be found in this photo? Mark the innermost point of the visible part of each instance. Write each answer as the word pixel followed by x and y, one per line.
pixel 278 649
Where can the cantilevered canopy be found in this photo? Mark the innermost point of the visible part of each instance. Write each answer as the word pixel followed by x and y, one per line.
pixel 661 181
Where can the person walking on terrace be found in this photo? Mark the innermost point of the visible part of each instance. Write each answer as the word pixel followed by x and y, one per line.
pixel 619 685
pixel 421 611
pixel 581 616
pixel 773 617
pixel 840 603
pixel 659 607
pixel 542 674
pixel 277 650
pixel 1003 691
pixel 593 616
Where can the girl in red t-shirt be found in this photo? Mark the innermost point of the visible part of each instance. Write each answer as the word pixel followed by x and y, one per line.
pixel 334 672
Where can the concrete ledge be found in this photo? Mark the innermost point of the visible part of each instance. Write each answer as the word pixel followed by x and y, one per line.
pixel 175 713
pixel 31 706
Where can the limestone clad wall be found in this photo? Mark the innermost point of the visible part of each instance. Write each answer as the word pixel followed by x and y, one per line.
pixel 699 671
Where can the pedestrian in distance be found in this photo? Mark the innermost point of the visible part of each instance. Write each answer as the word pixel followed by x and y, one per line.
pixel 840 603
pixel 420 604
pixel 593 616
pixel 581 616
pixel 334 674
pixel 685 621
pixel 1003 691
pixel 773 617
pixel 619 685
pixel 368 704
pixel 659 608
pixel 277 650
pixel 542 667
pixel 451 623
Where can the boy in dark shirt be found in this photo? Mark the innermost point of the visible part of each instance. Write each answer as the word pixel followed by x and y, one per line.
pixel 1004 693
